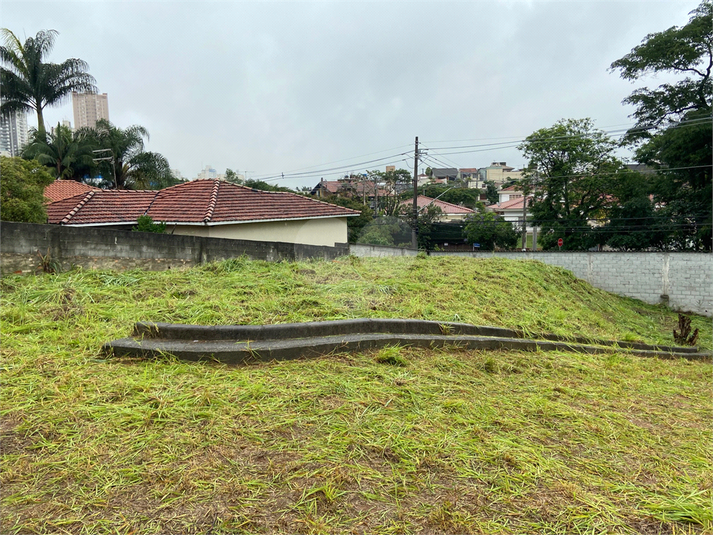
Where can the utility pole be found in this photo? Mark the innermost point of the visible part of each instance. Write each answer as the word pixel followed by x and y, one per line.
pixel 414 230
pixel 376 194
pixel 524 218
pixel 107 159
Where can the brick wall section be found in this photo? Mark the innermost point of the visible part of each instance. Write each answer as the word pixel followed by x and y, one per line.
pixel 682 280
pixel 97 248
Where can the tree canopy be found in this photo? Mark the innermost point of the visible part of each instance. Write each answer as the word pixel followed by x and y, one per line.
pixel 67 153
pixel 22 190
pixel 673 131
pixel 29 83
pixel 135 167
pixel 489 231
pixel 468 197
pixel 685 51
pixel 570 171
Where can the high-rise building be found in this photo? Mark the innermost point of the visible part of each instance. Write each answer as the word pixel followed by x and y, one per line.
pixel 89 108
pixel 13 133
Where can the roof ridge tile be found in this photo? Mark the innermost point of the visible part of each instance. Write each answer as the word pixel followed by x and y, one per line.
pixel 79 206
pixel 213 201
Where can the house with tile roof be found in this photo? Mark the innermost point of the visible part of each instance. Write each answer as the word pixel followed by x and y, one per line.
pixel 448 174
pixel 509 193
pixel 511 210
pixel 63 189
pixel 210 208
pixel 451 212
pixel 353 187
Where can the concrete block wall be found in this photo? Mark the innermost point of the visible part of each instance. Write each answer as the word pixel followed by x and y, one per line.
pixel 97 248
pixel 378 251
pixel 683 281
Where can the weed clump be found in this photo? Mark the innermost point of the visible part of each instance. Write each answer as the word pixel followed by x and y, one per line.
pixel 391 356
pixel 683 336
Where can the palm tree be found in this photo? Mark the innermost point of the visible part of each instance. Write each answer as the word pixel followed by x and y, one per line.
pixel 30 84
pixel 135 168
pixel 66 152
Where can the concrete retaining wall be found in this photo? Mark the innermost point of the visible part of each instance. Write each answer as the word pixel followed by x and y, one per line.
pixel 682 280
pixel 117 249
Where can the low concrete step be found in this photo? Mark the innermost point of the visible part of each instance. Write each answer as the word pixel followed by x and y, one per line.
pixel 243 352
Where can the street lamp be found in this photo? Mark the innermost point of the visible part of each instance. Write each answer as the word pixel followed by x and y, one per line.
pixel 112 159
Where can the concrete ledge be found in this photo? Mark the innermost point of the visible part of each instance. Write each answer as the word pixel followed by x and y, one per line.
pixel 284 331
pixel 241 344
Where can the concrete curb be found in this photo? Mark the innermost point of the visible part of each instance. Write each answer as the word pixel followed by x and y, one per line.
pixel 241 344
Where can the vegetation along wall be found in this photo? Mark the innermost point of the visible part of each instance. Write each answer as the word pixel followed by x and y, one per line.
pixel 23 243
pixel 684 281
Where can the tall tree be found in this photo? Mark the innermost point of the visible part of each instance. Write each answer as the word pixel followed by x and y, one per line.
pixel 30 84
pixel 64 151
pixel 135 168
pixel 673 131
pixel 392 182
pixel 632 221
pixel 571 167
pixel 685 51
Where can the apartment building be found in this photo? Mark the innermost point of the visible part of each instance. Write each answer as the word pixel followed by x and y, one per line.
pixel 13 133
pixel 89 108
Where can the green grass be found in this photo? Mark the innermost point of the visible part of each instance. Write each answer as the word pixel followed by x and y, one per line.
pixel 394 441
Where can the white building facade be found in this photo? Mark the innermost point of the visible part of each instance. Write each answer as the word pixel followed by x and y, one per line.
pixel 13 133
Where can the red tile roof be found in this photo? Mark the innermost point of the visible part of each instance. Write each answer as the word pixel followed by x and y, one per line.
pixel 207 202
pixel 512 204
pixel 446 207
pixel 63 189
pixel 345 186
pixel 101 207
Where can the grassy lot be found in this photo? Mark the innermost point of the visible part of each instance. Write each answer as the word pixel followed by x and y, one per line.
pixel 395 441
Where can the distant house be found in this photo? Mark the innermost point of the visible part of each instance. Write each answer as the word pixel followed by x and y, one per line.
pixel 346 187
pixel 447 174
pixel 498 173
pixel 451 212
pixel 509 193
pixel 470 176
pixel 63 189
pixel 511 210
pixel 210 208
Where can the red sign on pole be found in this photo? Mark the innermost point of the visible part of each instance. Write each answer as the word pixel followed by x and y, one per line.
pixel 560 242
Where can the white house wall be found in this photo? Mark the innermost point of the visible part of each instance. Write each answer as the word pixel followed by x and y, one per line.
pixel 326 231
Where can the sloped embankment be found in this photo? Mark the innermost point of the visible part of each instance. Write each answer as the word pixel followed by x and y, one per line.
pixel 399 440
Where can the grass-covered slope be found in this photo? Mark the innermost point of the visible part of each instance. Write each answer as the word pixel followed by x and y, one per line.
pixel 389 442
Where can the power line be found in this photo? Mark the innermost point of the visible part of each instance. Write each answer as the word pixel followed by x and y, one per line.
pixel 311 168
pixel 484 147
pixel 520 139
pixel 305 174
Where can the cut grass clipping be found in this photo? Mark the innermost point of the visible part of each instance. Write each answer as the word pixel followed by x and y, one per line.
pixel 394 441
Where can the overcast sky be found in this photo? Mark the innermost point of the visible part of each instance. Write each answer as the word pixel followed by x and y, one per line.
pixel 279 87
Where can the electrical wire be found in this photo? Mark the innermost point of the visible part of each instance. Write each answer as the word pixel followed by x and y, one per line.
pixel 305 174
pixel 517 140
